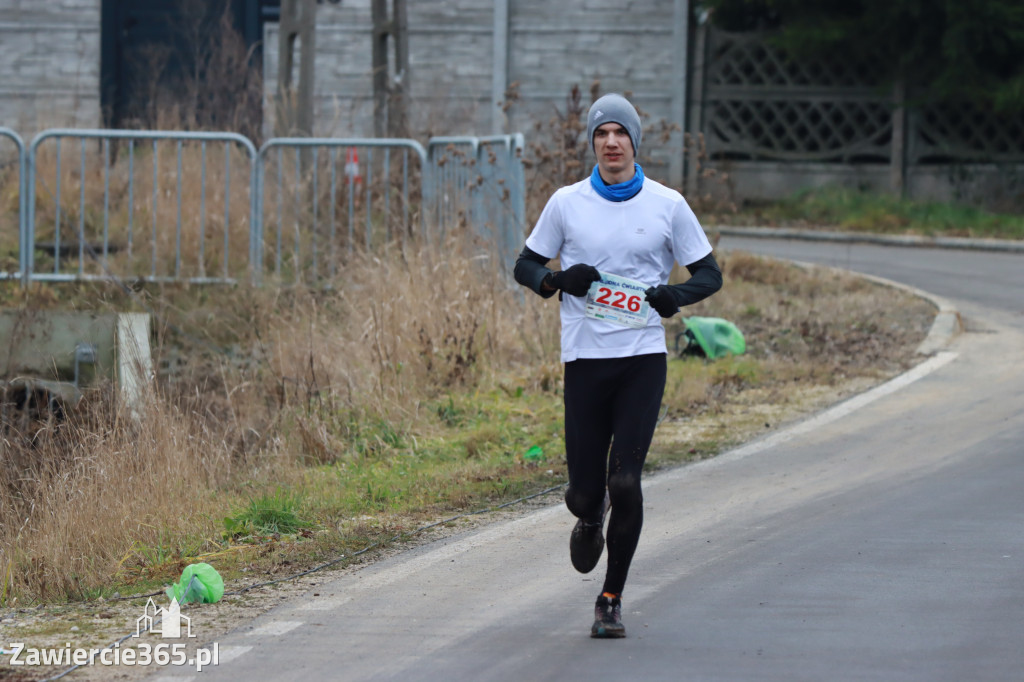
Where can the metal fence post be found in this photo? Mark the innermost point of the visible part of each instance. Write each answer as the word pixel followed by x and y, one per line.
pixel 256 219
pixel 22 202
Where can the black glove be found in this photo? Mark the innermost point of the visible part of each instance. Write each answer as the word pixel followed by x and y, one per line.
pixel 662 299
pixel 576 280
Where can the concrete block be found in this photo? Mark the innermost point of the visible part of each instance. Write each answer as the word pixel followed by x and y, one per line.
pixel 77 348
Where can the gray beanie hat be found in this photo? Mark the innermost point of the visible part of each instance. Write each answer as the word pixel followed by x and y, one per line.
pixel 614 109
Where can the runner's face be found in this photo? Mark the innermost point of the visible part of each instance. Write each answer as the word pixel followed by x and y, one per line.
pixel 614 152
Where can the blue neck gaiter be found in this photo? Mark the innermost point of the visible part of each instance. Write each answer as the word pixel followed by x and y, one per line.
pixel 623 190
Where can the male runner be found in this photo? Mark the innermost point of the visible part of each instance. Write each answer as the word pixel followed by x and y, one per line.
pixel 615 224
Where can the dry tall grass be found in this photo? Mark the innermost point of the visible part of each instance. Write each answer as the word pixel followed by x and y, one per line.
pixel 274 379
pixel 89 493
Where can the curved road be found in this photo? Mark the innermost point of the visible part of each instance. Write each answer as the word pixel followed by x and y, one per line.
pixel 881 540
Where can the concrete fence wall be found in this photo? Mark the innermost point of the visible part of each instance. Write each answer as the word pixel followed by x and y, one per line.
pixel 464 56
pixel 50 63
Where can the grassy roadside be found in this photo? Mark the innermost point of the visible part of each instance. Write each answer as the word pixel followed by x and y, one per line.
pixel 292 426
pixel 842 209
pixel 265 466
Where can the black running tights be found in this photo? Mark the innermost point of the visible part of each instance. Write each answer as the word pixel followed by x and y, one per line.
pixel 611 409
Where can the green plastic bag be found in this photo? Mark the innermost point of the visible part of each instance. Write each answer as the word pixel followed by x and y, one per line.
pixel 199 583
pixel 714 337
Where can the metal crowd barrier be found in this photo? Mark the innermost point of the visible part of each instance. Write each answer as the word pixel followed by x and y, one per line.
pixel 479 181
pixel 321 198
pixel 130 223
pixel 8 245
pixel 168 206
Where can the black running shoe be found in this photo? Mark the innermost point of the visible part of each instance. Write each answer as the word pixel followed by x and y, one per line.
pixel 587 542
pixel 608 619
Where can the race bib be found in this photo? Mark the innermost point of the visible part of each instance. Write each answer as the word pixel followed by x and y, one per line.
pixel 619 300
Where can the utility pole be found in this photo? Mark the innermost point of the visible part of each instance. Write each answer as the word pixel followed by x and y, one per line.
pixel 295 104
pixel 499 76
pixel 399 92
pixel 680 83
pixel 390 101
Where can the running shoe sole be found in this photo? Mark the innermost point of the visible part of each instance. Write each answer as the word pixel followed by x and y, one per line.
pixel 587 541
pixel 585 546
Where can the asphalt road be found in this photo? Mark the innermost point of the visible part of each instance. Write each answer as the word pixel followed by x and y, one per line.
pixel 993 280
pixel 880 540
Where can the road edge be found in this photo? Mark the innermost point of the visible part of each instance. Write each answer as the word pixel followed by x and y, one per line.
pixel 1004 245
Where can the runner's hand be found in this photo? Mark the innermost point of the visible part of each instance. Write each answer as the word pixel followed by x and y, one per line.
pixel 662 300
pixel 576 280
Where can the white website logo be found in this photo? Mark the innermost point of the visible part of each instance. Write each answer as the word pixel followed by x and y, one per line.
pixel 165 622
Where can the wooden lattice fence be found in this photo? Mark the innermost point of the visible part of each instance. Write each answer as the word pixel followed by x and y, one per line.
pixel 753 104
pixel 760 104
pixel 966 132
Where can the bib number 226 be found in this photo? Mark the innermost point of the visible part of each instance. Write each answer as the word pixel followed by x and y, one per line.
pixel 618 300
